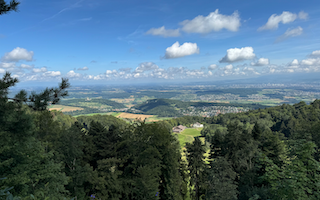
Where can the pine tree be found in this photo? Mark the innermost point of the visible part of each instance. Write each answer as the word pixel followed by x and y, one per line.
pixel 5 8
pixel 197 167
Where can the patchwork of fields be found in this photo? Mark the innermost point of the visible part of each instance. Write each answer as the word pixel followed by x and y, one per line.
pixel 64 108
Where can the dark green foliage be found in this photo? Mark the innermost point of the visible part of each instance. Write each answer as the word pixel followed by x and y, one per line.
pixel 104 120
pixel 5 8
pixel 222 183
pixel 263 154
pixel 197 167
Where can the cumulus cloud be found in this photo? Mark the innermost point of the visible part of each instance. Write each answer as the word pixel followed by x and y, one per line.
pixel 227 70
pixel 213 22
pixel 315 53
pixel 294 62
pixel 18 54
pixel 285 18
pixel 7 65
pixel 83 68
pixel 261 62
pixel 72 74
pixel 38 70
pixel 290 33
pixel 26 66
pixel 177 50
pixel 236 54
pixel 2 71
pixel 52 73
pixel 162 31
pixel 146 66
pixel 212 67
pixel 311 61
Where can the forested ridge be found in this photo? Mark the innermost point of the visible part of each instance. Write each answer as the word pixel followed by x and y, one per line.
pixel 270 153
pixel 170 107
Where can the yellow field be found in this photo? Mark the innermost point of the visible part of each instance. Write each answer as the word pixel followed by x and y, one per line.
pixel 64 108
pixel 134 116
pixel 122 100
pixel 219 101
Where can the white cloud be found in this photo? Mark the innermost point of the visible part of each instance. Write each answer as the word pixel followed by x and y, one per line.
pixel 290 33
pixel 311 61
pixel 83 68
pixel 285 18
pixel 111 71
pixel 303 15
pixel 26 66
pixel 236 54
pixel 2 71
pixel 294 62
pixel 73 74
pixel 162 31
pixel 18 54
pixel 261 62
pixel 146 66
pixel 52 73
pixel 186 49
pixel 213 22
pixel 7 65
pixel 228 67
pixel 228 70
pixel 315 53
pixel 37 70
pixel 212 67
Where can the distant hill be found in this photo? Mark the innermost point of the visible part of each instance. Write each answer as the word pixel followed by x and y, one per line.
pixel 90 105
pixel 170 107
pixel 76 102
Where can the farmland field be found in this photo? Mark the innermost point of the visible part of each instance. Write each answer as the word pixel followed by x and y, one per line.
pixel 64 108
pixel 134 116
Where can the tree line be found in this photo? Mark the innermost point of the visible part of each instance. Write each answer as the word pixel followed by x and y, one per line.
pixel 270 153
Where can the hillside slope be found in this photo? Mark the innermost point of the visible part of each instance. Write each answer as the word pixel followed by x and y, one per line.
pixel 170 107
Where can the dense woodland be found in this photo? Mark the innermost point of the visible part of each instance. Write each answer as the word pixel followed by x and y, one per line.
pixel 270 153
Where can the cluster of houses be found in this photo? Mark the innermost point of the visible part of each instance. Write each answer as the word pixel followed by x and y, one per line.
pixel 180 128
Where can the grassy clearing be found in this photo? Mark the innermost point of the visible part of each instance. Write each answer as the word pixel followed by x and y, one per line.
pixel 192 131
pixel 155 118
pixel 188 136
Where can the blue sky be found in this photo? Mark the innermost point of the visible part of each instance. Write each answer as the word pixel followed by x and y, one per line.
pixel 101 41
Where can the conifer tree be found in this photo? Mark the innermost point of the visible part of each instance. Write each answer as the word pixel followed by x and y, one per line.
pixel 197 167
pixel 5 8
